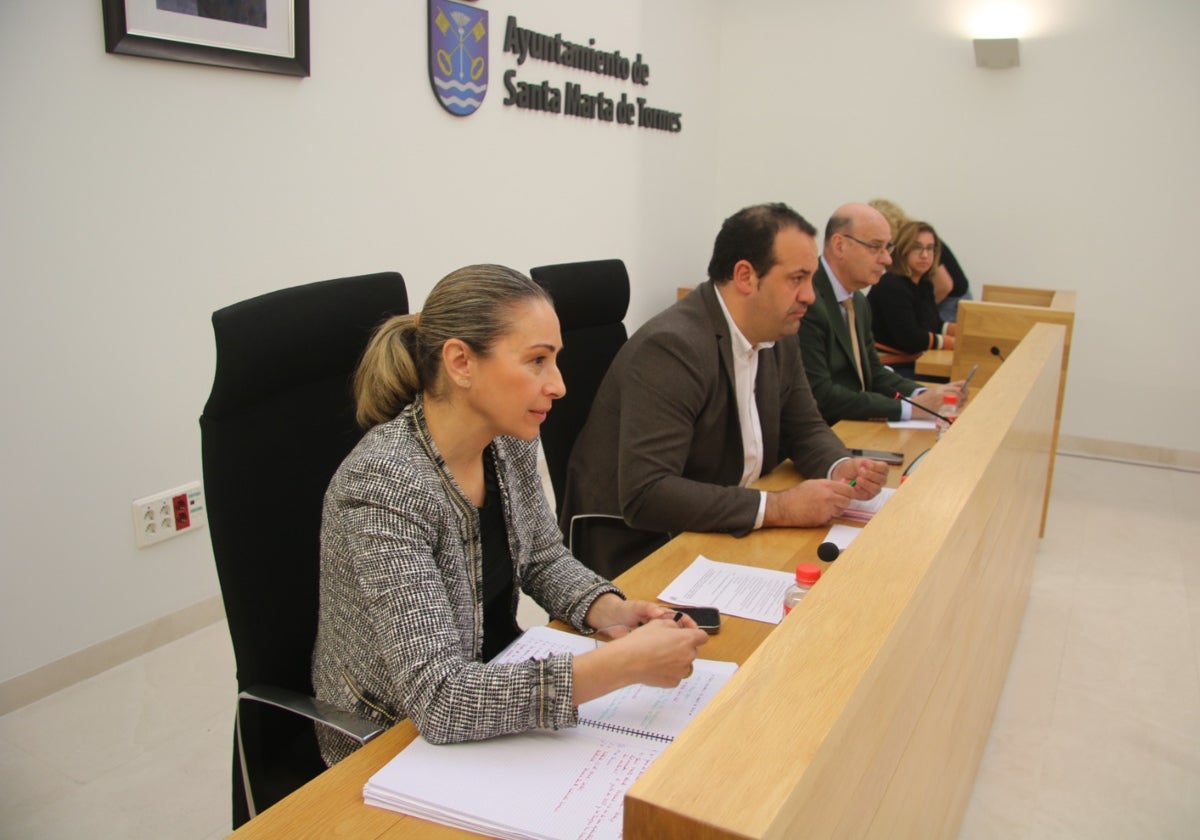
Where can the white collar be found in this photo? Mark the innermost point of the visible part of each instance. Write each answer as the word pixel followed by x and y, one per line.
pixel 839 291
pixel 741 344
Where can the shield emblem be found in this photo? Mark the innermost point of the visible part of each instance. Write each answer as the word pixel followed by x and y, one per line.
pixel 458 55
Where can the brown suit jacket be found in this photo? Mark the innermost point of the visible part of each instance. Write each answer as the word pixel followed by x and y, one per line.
pixel 662 446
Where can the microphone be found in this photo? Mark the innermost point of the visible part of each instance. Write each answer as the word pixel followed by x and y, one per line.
pixel 996 352
pixel 948 420
pixel 828 551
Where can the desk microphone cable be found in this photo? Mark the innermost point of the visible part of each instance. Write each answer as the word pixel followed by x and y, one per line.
pixel 949 420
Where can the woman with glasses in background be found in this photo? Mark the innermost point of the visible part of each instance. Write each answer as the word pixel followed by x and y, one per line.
pixel 950 284
pixel 903 307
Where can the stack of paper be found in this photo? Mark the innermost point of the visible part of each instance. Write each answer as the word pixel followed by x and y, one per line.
pixel 568 783
pixel 862 510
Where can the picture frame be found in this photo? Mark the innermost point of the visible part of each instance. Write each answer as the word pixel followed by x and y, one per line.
pixel 173 30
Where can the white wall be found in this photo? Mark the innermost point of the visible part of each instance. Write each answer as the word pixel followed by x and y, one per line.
pixel 1076 170
pixel 140 195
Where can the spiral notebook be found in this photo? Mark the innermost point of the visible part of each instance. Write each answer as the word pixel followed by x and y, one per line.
pixel 568 783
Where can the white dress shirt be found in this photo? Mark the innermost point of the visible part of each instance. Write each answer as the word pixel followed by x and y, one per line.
pixel 745 374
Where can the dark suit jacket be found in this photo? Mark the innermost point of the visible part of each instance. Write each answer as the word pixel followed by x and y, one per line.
pixel 829 361
pixel 961 284
pixel 662 446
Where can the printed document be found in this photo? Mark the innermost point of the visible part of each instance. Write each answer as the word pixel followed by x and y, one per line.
pixel 744 591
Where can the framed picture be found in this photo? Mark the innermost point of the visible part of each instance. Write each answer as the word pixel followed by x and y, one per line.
pixel 266 35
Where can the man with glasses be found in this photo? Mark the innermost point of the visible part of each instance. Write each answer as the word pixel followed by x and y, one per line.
pixel 847 378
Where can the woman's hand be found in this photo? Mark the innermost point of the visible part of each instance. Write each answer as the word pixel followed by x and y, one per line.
pixel 661 652
pixel 650 646
pixel 615 617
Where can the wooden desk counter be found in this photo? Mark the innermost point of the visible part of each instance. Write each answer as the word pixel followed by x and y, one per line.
pixel 866 711
pixel 1001 320
pixel 935 363
pixel 332 804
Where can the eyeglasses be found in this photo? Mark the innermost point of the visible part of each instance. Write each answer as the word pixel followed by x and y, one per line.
pixel 874 247
pixel 923 249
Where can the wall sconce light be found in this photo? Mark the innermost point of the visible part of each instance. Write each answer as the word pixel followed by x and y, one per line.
pixel 997 53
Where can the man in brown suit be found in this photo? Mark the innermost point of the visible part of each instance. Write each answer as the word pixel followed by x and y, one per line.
pixel 705 398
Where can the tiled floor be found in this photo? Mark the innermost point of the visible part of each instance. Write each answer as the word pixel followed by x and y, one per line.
pixel 1098 731
pixel 1097 735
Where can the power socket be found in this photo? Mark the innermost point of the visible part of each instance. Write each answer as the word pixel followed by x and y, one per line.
pixel 168 514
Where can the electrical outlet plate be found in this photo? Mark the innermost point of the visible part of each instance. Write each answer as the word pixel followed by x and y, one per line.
pixel 168 514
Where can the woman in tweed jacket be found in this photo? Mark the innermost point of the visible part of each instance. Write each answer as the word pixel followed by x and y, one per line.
pixel 437 519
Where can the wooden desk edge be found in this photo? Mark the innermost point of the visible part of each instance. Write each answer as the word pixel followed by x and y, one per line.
pixel 887 688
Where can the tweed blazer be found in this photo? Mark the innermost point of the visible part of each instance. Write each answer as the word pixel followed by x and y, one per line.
pixel 829 360
pixel 662 445
pixel 400 626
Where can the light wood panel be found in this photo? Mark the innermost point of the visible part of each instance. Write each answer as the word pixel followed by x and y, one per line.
pixel 1024 295
pixel 1001 319
pixel 936 363
pixel 865 713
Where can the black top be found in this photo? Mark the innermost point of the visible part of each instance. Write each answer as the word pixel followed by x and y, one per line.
pixel 961 286
pixel 904 314
pixel 499 622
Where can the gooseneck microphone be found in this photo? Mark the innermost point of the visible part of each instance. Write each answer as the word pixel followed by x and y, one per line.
pixel 948 420
pixel 996 352
pixel 828 551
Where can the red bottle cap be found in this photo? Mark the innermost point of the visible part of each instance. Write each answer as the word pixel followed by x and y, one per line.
pixel 807 574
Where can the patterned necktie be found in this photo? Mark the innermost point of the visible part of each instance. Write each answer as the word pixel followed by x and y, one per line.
pixel 852 322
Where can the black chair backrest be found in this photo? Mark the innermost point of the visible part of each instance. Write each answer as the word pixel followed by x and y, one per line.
pixel 279 421
pixel 591 299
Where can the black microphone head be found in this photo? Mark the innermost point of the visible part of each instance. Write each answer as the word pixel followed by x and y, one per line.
pixel 828 551
pixel 996 351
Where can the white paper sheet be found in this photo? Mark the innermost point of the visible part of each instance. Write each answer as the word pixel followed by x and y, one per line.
pixel 912 424
pixel 863 509
pixel 743 591
pixel 842 535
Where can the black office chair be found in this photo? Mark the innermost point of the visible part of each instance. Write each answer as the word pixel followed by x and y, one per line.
pixel 591 299
pixel 277 424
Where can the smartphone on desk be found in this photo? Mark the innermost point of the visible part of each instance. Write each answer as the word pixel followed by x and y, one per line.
pixel 894 458
pixel 707 619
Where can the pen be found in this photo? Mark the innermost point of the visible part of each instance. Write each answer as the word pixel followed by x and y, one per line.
pixel 970 376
